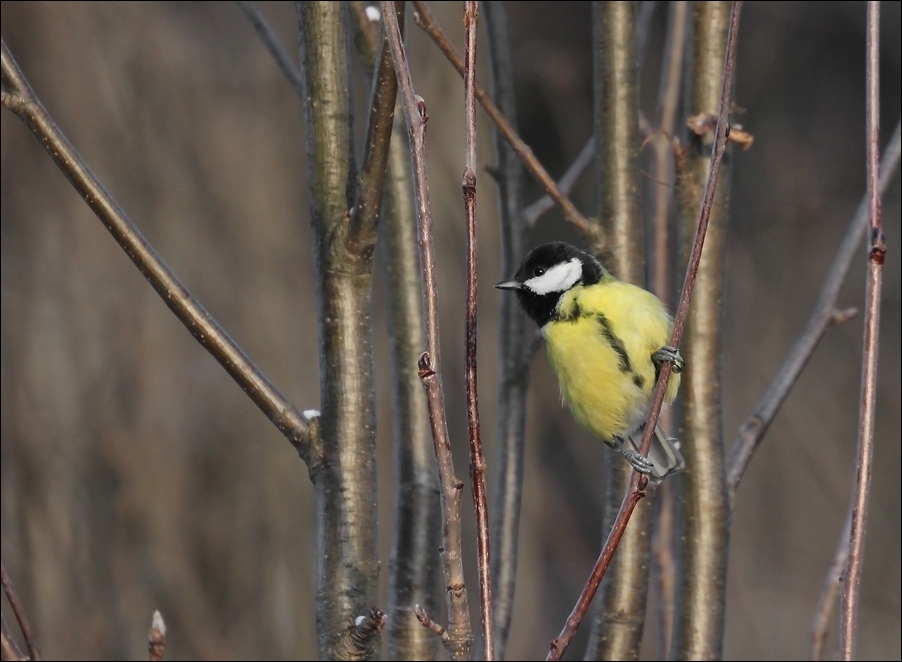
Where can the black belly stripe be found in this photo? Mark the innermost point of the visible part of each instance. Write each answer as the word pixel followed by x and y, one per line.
pixel 616 344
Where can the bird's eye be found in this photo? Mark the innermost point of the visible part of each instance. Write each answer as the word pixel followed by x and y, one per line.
pixel 538 271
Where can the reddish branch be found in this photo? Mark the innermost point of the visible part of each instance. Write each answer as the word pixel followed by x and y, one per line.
pixel 638 482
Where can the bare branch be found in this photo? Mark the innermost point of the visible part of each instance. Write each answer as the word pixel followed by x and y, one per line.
pixel 477 459
pixel 752 431
pixel 200 323
pixel 270 39
pixel 577 169
pixel 414 570
pixel 560 644
pixel 700 591
pixel 427 22
pixel 637 481
pixel 619 617
pixel 15 604
pixel 826 602
pixel 460 640
pixel 851 594
pixel 345 477
pixel 428 623
pixel 660 189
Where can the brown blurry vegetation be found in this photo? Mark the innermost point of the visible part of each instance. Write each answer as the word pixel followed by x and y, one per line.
pixel 137 476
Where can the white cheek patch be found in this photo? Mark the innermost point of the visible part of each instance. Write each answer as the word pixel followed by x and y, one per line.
pixel 559 278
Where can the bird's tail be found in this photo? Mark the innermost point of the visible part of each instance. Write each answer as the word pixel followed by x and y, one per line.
pixel 664 454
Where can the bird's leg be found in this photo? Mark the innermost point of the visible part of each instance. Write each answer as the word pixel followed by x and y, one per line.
pixel 668 354
pixel 637 461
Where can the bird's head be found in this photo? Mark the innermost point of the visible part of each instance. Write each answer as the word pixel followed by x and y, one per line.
pixel 549 271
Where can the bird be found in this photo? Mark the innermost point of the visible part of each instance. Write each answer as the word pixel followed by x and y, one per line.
pixel 606 341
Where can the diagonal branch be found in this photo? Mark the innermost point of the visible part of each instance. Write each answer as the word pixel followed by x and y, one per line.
pixel 428 23
pixel 21 99
pixel 12 596
pixel 638 482
pixel 823 316
pixel 270 39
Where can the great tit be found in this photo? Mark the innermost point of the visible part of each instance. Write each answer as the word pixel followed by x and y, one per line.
pixel 606 340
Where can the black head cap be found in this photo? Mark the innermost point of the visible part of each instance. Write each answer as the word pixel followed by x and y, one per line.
pixel 547 272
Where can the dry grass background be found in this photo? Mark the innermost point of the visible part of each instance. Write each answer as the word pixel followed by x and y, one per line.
pixel 136 475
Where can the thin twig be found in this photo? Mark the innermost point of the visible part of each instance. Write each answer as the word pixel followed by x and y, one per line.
pixel 868 404
pixel 21 99
pixel 638 482
pixel 752 431
pixel 460 639
pixel 577 169
pixel 15 604
pixel 426 21
pixel 426 622
pixel 477 459
pixel 274 45
pixel 823 613
pixel 560 644
pixel 720 140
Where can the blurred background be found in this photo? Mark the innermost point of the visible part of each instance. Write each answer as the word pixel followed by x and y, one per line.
pixel 137 476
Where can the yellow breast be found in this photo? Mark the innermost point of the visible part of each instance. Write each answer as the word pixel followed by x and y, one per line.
pixel 600 346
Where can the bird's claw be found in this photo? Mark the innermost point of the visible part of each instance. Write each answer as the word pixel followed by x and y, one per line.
pixel 668 354
pixel 638 461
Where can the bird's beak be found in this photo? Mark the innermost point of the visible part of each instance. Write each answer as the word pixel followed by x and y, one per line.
pixel 509 285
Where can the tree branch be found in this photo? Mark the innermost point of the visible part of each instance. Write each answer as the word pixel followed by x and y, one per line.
pixel 270 39
pixel 823 316
pixel 34 653
pixel 698 627
pixel 413 567
pixel 426 21
pixel 361 239
pixel 345 477
pixel 460 639
pixel 477 459
pixel 637 481
pixel 851 585
pixel 21 99
pixel 619 617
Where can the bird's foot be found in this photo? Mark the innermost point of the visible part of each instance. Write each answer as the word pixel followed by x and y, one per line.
pixel 668 354
pixel 636 459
